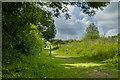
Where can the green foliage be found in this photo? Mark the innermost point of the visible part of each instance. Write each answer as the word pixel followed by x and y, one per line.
pixel 113 37
pixel 101 49
pixel 49 33
pixel 32 40
pixel 86 7
pixel 92 32
pixel 20 36
pixel 29 42
pixel 58 41
pixel 31 66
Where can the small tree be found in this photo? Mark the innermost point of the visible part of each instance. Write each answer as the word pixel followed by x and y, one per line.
pixel 49 33
pixel 92 32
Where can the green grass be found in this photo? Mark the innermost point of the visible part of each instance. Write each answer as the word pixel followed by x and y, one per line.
pixel 79 67
pixel 103 50
pixel 63 65
pixel 32 66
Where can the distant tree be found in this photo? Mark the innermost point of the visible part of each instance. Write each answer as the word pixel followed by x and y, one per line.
pixel 92 32
pixel 57 41
pixel 118 36
pixel 115 37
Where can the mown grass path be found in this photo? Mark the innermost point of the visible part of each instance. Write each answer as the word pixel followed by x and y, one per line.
pixel 76 67
pixel 58 65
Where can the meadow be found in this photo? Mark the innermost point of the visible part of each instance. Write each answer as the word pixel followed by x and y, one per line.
pixel 78 59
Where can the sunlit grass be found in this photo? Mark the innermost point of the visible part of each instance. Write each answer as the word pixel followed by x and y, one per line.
pixel 83 64
pixel 96 50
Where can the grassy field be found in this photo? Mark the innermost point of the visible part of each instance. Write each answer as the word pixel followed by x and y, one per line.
pixel 74 60
pixel 89 59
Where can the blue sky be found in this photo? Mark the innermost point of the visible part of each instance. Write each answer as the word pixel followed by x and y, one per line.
pixel 74 28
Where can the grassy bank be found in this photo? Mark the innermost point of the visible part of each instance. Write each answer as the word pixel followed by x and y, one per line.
pixel 101 50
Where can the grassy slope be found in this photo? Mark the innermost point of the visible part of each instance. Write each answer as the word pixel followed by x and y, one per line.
pixel 99 57
pixel 59 65
pixel 102 50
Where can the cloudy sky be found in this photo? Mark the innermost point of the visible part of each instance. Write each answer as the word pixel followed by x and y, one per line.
pixel 74 28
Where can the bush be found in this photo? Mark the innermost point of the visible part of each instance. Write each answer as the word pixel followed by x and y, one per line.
pixel 26 41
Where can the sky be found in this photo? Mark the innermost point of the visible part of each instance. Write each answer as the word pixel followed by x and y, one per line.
pixel 75 28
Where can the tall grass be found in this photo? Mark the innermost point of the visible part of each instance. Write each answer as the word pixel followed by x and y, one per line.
pixel 100 49
pixel 31 66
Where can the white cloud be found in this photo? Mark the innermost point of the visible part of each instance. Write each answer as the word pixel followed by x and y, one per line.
pixel 88 22
pixel 65 28
pixel 71 8
pixel 85 21
pixel 82 14
pixel 101 31
pixel 115 1
pixel 68 29
pixel 72 21
pixel 108 17
pixel 112 32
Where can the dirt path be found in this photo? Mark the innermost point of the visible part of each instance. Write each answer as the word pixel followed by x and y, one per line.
pixel 74 67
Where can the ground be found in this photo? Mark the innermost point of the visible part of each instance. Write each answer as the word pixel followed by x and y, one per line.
pixel 76 67
pixel 58 65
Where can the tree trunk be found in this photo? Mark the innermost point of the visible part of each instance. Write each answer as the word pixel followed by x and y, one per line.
pixel 50 49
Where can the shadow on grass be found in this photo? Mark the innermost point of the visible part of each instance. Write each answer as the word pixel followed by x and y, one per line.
pixel 50 66
pixel 55 48
pixel 80 67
